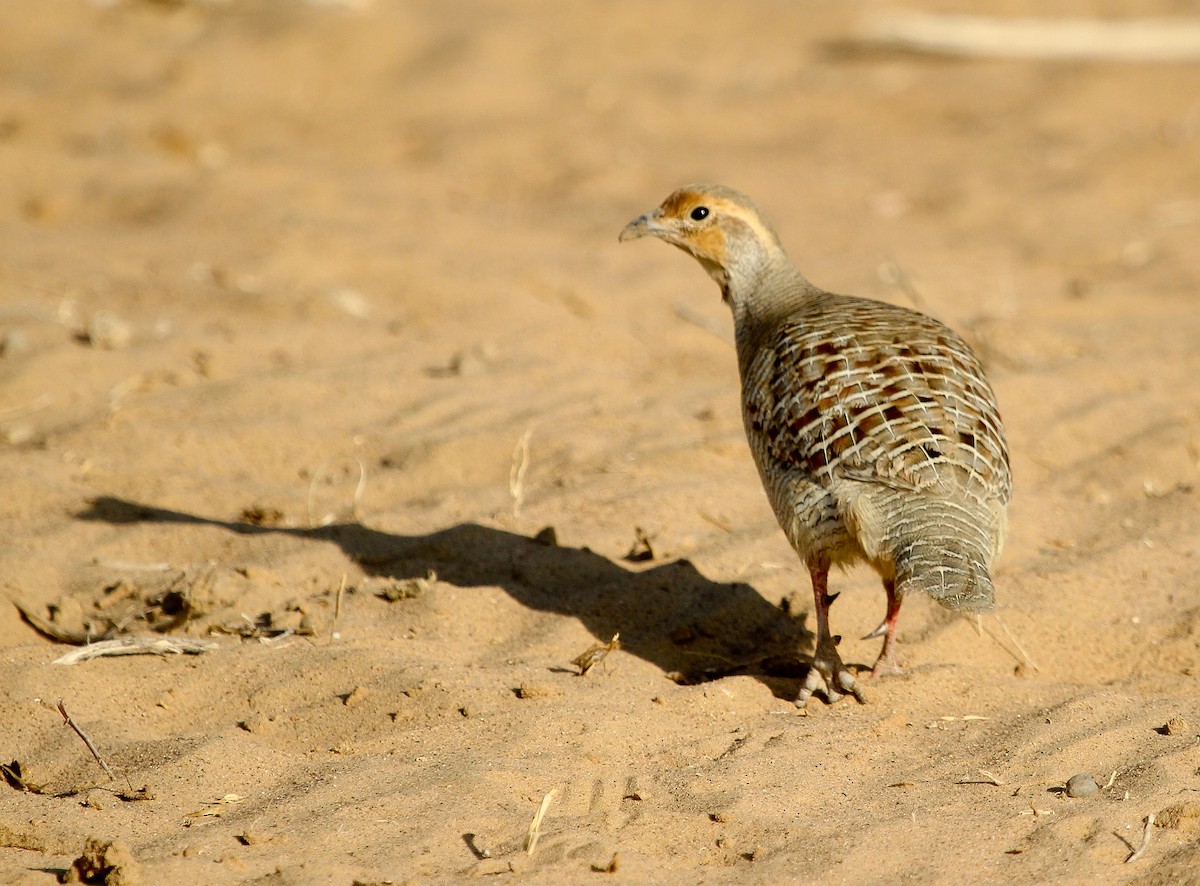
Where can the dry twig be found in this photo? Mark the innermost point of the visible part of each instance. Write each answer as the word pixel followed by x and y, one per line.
pixel 57 632
pixel 1137 853
pixel 516 474
pixel 62 709
pixel 337 609
pixel 137 646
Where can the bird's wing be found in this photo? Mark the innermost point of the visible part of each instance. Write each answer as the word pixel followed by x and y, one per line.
pixel 887 403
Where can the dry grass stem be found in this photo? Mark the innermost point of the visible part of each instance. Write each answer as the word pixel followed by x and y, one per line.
pixel 535 826
pixel 1137 853
pixel 130 566
pixel 1035 812
pixel 1147 39
pixel 984 777
pixel 516 474
pixel 1021 655
pixel 359 489
pixel 337 609
pixel 137 646
pixel 62 709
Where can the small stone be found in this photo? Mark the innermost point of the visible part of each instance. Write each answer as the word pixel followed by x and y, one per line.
pixel 254 723
pixel 1081 785
pixel 356 697
pixel 109 332
pixel 634 789
pixel 1175 726
pixel 103 862
pixel 537 690
pixel 14 343
pixel 18 434
pixel 351 301
pixel 1180 816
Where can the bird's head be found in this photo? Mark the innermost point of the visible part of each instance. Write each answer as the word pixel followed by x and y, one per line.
pixel 721 228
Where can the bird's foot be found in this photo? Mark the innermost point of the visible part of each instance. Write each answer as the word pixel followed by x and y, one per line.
pixel 829 674
pixel 886 664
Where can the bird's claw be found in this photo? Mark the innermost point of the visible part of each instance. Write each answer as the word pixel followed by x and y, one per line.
pixel 878 632
pixel 829 674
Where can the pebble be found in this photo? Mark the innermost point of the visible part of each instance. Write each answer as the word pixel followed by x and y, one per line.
pixel 109 332
pixel 1175 726
pixel 13 343
pixel 1081 785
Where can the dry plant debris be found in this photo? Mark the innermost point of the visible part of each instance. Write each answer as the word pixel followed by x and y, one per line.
pixel 1155 40
pixel 535 826
pixel 62 709
pixel 15 777
pixel 407 588
pixel 641 551
pixel 138 646
pixel 984 777
pixel 319 475
pixel 214 808
pixel 516 474
pixel 595 654
pixel 1141 849
pixel 57 632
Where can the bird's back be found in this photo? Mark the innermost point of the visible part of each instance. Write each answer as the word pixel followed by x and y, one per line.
pixel 883 417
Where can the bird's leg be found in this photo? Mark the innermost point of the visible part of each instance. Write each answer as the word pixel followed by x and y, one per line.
pixel 886 663
pixel 827 671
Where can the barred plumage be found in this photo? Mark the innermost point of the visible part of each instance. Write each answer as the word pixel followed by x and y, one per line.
pixel 873 427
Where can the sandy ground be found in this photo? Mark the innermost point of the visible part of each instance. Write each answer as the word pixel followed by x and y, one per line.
pixel 310 304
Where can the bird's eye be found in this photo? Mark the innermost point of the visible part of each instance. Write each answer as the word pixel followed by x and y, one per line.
pixel 700 213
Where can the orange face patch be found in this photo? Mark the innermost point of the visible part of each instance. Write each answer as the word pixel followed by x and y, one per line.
pixel 708 243
pixel 680 203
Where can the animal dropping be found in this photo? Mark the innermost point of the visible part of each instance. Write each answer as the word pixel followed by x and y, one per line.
pixel 874 429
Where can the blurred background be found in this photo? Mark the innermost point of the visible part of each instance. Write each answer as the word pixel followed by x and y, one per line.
pixel 267 265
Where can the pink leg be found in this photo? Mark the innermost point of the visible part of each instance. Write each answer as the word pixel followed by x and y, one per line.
pixel 827 671
pixel 886 663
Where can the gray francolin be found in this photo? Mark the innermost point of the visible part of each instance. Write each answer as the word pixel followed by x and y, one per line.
pixel 874 430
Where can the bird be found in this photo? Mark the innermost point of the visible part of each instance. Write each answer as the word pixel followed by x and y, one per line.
pixel 874 429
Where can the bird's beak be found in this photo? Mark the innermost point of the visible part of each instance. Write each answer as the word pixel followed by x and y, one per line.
pixel 648 225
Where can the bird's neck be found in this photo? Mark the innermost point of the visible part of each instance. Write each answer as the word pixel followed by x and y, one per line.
pixel 761 294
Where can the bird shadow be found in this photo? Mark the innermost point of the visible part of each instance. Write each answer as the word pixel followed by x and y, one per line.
pixel 669 614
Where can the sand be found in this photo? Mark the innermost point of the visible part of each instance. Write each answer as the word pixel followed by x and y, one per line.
pixel 318 344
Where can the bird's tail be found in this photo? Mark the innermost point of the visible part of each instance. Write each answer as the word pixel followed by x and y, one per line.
pixel 949 567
